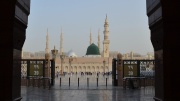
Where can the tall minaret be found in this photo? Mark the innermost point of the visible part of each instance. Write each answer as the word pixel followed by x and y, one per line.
pixel 90 42
pixel 99 41
pixel 47 57
pixel 47 43
pixel 106 39
pixel 61 43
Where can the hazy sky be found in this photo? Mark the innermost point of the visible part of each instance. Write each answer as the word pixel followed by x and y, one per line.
pixel 128 25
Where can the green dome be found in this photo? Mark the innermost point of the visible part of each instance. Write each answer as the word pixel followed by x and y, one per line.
pixel 92 50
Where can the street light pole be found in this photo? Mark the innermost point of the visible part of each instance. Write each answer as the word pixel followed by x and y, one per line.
pixel 104 62
pixel 62 56
pixel 54 53
pixel 70 61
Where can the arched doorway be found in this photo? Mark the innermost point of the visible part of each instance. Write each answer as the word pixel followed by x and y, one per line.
pixel 80 69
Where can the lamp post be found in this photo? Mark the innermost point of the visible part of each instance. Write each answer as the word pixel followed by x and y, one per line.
pixel 62 56
pixel 54 53
pixel 104 62
pixel 70 61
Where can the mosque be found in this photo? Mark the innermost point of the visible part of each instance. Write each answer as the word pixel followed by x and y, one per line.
pixel 93 61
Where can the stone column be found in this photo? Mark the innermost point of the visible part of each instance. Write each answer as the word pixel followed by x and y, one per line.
pixel 12 37
pixel 47 66
pixel 54 53
pixel 120 69
pixel 165 39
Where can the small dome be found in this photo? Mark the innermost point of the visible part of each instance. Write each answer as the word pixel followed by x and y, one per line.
pixel 71 53
pixel 92 50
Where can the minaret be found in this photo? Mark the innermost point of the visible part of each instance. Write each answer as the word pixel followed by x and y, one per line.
pixel 61 43
pixel 99 41
pixel 47 57
pixel 90 42
pixel 47 43
pixel 106 39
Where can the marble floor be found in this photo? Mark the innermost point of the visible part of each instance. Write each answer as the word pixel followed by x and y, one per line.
pixel 92 92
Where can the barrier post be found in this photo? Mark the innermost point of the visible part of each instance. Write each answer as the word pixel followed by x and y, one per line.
pixel 33 82
pixel 78 82
pixel 60 81
pixel 49 84
pixel 43 82
pixel 69 81
pixel 28 82
pixel 106 82
pixel 97 82
pixel 39 82
pixel 87 82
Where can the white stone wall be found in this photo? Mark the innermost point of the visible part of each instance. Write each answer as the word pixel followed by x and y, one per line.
pixel 85 65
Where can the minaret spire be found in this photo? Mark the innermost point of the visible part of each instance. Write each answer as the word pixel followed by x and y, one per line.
pixel 106 38
pixel 90 42
pixel 106 19
pixel 61 42
pixel 99 41
pixel 47 43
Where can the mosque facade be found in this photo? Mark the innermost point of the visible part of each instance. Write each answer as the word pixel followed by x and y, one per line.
pixel 93 61
pixel 84 64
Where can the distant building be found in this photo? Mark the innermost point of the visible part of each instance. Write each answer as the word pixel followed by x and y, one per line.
pixel 39 55
pixel 137 56
pixel 113 54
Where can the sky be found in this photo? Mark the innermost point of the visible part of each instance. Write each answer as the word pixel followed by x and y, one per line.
pixel 128 25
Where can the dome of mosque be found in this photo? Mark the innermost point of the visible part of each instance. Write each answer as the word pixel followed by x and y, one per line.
pixel 92 50
pixel 71 53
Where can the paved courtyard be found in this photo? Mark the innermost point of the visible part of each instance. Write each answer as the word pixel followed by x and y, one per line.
pixel 84 92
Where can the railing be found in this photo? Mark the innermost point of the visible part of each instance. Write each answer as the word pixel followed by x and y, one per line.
pixel 78 80
pixel 36 82
pixel 84 81
pixel 137 82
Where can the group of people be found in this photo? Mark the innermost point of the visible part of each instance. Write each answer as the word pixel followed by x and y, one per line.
pixel 83 73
